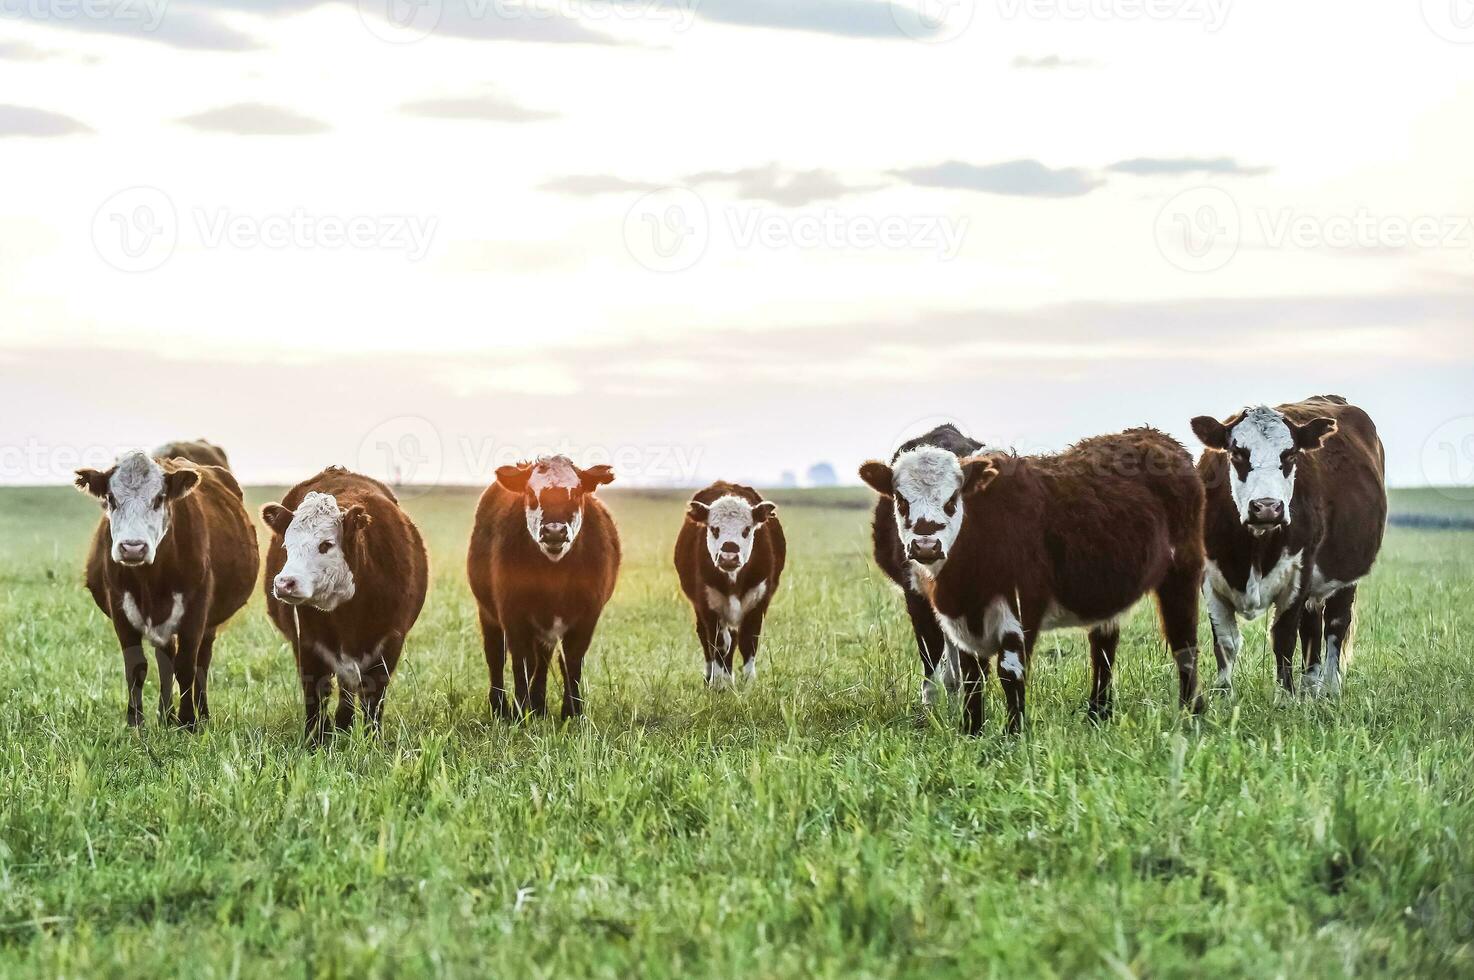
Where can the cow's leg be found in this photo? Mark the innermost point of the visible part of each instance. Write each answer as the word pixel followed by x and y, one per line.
pixel 1103 642
pixel 164 660
pixel 202 676
pixel 707 640
pixel 722 651
pixel 1177 606
pixel 575 646
pixel 930 643
pixel 135 668
pixel 375 685
pixel 539 688
pixel 186 659
pixel 1283 634
pixel 747 642
pixel 521 648
pixel 974 674
pixel 1340 609
pixel 316 675
pixel 1013 672
pixel 347 703
pixel 1226 637
pixel 494 644
pixel 1312 625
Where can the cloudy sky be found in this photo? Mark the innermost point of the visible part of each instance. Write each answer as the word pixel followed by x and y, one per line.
pixel 731 238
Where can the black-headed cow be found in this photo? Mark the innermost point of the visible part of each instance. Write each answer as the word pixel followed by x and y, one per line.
pixel 1297 505
pixel 729 557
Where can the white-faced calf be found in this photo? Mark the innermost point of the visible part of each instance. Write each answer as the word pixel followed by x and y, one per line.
pixel 1297 504
pixel 729 556
pixel 173 558
pixel 346 575
pixel 1006 547
pixel 938 655
pixel 543 561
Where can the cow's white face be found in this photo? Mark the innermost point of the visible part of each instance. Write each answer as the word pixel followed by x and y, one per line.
pixel 321 540
pixel 553 492
pixel 927 486
pixel 1263 448
pixel 730 525
pixel 137 495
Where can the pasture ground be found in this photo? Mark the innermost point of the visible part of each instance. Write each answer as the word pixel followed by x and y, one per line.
pixel 813 825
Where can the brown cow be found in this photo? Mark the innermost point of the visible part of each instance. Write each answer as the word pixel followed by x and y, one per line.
pixel 1297 504
pixel 200 451
pixel 729 556
pixel 1006 547
pixel 543 560
pixel 346 575
pixel 173 558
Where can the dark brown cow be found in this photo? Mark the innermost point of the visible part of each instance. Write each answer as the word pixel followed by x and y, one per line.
pixel 543 560
pixel 174 557
pixel 729 556
pixel 1297 504
pixel 346 575
pixel 938 656
pixel 1006 547
pixel 200 451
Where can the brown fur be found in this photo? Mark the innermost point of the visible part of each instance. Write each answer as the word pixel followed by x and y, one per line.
pixel 520 593
pixel 210 557
pixel 697 574
pixel 1338 517
pixel 390 573
pixel 200 451
pixel 1090 530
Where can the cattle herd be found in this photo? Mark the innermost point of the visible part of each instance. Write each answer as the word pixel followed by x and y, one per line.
pixel 1285 510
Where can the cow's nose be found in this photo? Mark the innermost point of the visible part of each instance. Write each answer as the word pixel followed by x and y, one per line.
pixel 925 550
pixel 730 547
pixel 132 550
pixel 925 528
pixel 285 585
pixel 1266 510
pixel 555 532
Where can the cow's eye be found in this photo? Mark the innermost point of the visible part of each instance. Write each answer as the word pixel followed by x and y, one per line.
pixel 746 531
pixel 903 506
pixel 1287 461
pixel 158 501
pixel 325 547
pixel 1240 454
pixel 950 507
pixel 112 501
pixel 716 532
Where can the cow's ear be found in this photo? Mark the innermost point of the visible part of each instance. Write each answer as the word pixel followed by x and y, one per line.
pixel 355 519
pixel 878 477
pixel 93 482
pixel 594 477
pixel 276 517
pixel 1211 432
pixel 696 511
pixel 514 478
pixel 1313 434
pixel 181 483
pixel 977 473
pixel 761 512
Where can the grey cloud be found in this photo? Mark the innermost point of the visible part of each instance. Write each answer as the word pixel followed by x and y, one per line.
pixel 16 120
pixel 593 185
pixel 255 119
pixel 1017 178
pixel 785 188
pixel 478 108
pixel 1051 62
pixel 1180 166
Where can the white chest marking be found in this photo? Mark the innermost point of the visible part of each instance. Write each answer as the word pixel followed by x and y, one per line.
pixel 733 609
pixel 161 634
pixel 1274 588
pixel 998 622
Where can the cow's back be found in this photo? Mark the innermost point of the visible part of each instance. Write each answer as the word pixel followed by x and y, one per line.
pixel 202 452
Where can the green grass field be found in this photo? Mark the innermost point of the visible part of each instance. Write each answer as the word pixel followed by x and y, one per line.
pixel 812 825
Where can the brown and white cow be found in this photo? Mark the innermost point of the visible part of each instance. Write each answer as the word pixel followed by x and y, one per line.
pixel 173 558
pixel 200 451
pixel 543 561
pixel 729 556
pixel 346 575
pixel 1006 547
pixel 1297 504
pixel 938 655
